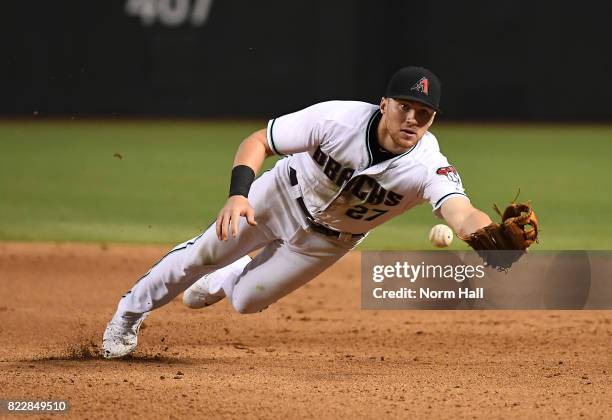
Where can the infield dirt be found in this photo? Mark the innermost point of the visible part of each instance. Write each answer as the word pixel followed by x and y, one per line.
pixel 314 354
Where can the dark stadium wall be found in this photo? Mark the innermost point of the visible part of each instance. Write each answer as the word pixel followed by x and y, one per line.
pixel 213 58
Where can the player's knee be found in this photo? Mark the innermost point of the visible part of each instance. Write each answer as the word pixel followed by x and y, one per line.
pixel 248 306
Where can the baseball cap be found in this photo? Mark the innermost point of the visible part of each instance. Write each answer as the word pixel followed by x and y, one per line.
pixel 415 84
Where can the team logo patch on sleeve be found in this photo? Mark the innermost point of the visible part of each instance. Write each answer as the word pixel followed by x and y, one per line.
pixel 450 172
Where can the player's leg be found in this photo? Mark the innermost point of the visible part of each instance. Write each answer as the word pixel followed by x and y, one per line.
pixel 178 270
pixel 281 268
pixel 186 263
pixel 191 260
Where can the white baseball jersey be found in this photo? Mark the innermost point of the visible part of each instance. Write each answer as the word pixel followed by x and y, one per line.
pixel 333 148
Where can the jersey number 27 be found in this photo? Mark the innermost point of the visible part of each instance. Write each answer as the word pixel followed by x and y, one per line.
pixel 360 212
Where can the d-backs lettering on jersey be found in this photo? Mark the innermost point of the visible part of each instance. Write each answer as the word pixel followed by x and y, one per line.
pixel 363 187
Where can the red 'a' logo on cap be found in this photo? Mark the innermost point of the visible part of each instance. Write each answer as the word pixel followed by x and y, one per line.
pixel 421 86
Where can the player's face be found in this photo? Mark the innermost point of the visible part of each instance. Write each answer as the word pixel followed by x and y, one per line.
pixel 406 121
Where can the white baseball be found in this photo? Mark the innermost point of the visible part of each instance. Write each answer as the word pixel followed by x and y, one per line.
pixel 441 236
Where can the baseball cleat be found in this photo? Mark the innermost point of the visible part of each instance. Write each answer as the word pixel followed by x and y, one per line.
pixel 121 336
pixel 198 296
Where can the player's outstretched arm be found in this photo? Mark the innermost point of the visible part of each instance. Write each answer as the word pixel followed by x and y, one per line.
pixel 248 160
pixel 462 217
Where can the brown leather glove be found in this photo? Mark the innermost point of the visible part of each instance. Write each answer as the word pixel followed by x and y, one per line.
pixel 501 245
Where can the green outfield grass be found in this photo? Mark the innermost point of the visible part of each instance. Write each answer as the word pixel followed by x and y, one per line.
pixel 63 181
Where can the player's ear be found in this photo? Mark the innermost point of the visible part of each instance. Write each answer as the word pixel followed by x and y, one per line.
pixel 383 104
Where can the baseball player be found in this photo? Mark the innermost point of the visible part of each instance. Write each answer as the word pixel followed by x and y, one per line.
pixel 349 166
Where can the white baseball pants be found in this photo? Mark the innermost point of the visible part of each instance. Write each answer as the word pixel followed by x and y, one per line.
pixel 292 255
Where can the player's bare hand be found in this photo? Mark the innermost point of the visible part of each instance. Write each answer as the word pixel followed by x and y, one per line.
pixel 236 207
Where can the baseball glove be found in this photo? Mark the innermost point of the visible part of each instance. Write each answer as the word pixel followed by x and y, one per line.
pixel 501 245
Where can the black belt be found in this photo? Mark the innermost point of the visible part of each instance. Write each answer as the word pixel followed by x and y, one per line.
pixel 317 227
